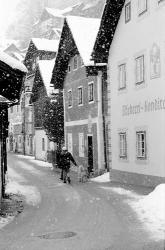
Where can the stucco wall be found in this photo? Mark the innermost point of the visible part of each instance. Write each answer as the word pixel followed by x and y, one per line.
pixel 39 153
pixel 142 35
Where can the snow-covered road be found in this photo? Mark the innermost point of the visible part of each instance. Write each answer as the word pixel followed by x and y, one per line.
pixel 91 216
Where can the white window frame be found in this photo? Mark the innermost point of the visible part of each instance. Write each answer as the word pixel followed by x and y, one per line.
pixel 70 105
pixel 128 12
pixel 139 69
pixel 89 92
pixel 80 104
pixel 70 143
pixel 123 145
pixel 75 58
pixel 81 145
pixel 122 76
pixel 142 6
pixel 141 145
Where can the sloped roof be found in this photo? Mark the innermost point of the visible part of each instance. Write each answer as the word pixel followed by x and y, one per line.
pixel 46 69
pixel 55 12
pixel 46 44
pixel 109 21
pixel 84 32
pixel 13 63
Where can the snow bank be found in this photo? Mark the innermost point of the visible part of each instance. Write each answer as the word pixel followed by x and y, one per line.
pixel 151 211
pixel 30 193
pixel 12 62
pixel 102 178
pixel 150 208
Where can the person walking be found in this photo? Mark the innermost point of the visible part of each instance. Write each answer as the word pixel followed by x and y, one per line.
pixel 65 159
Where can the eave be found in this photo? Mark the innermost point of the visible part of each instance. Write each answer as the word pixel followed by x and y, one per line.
pixel 110 18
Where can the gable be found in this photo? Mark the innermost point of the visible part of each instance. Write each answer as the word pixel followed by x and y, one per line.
pixel 65 52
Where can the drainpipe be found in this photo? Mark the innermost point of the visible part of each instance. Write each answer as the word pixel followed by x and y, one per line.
pixel 100 135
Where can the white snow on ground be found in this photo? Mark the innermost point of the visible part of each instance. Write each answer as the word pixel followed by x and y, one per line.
pixel 5 221
pixel 150 208
pixel 30 168
pixel 30 193
pixel 102 178
pixel 37 162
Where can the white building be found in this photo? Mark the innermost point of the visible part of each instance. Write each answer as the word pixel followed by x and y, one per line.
pixel 41 88
pixel 136 77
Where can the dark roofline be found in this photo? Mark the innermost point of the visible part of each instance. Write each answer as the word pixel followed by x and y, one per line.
pixel 65 51
pixel 109 21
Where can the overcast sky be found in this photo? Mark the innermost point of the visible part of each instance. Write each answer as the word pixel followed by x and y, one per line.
pixel 7 9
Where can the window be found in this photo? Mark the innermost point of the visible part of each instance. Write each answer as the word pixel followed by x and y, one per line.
pixel 81 61
pixel 122 76
pixel 127 12
pixel 80 96
pixel 142 6
pixel 70 98
pixel 141 145
pixel 123 145
pixel 70 143
pixel 43 144
pixel 11 109
pixel 139 69
pixel 90 92
pixel 75 63
pixel 81 144
pixel 69 68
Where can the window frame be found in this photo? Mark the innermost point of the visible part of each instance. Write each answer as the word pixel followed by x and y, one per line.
pixel 123 154
pixel 70 105
pixel 142 11
pixel 128 12
pixel 80 104
pixel 75 58
pixel 123 85
pixel 43 144
pixel 141 145
pixel 69 68
pixel 141 70
pixel 89 92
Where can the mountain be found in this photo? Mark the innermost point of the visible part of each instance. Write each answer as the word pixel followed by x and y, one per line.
pixel 28 13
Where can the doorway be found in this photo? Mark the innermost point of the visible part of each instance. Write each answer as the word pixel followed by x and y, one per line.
pixel 90 153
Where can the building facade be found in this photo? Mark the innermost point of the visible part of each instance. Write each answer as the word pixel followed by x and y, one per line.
pixel 40 91
pixel 84 86
pixel 136 80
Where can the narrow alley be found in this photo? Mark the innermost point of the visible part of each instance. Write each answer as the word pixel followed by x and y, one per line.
pixel 80 216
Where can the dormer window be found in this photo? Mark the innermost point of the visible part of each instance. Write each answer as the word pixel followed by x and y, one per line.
pixel 75 63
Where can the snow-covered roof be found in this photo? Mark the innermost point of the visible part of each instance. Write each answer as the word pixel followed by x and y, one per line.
pixel 55 12
pixel 60 12
pixel 12 62
pixel 46 69
pixel 46 44
pixel 84 31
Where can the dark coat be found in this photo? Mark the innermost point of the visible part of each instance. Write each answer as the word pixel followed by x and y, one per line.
pixel 65 159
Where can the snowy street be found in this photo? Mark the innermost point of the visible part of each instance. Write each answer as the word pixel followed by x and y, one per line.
pixel 81 216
